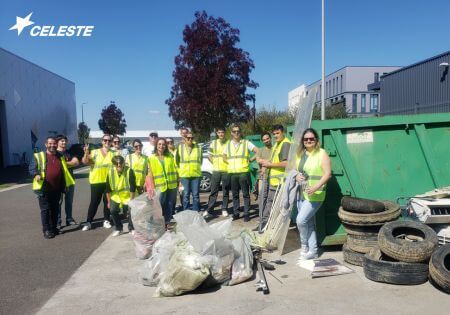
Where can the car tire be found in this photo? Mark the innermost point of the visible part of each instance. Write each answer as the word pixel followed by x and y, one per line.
pixel 407 241
pixel 352 257
pixel 381 268
pixel 205 182
pixel 361 230
pixel 440 268
pixel 391 213
pixel 362 243
pixel 360 205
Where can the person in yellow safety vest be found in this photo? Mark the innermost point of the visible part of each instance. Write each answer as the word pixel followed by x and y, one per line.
pixel 100 163
pixel 314 167
pixel 189 160
pixel 163 176
pixel 236 155
pixel 139 163
pixel 276 166
pixel 219 173
pixel 171 146
pixel 120 189
pixel 50 178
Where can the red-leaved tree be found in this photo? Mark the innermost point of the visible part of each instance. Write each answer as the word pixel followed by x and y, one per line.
pixel 211 77
pixel 112 120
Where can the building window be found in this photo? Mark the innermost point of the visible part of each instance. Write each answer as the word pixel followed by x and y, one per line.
pixel 363 103
pixel 334 87
pixel 376 77
pixel 373 102
pixel 354 103
pixel 326 89
pixel 342 89
pixel 337 85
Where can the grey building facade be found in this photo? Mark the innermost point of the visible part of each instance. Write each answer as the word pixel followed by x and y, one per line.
pixel 423 87
pixel 348 86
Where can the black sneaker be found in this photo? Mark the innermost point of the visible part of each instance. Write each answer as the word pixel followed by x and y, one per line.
pixel 246 218
pixel 235 217
pixel 48 235
pixel 71 221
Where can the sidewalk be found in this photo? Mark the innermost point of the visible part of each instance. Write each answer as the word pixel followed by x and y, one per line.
pixel 108 283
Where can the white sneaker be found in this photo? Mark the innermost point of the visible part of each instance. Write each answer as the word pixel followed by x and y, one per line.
pixel 133 232
pixel 224 213
pixel 205 214
pixel 106 224
pixel 116 233
pixel 308 256
pixel 86 227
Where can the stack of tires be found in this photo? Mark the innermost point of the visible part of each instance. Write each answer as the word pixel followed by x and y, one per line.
pixel 362 219
pixel 402 255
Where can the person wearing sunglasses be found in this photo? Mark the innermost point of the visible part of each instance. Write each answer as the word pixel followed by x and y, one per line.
pixel 100 163
pixel 236 154
pixel 314 167
pixel 116 146
pixel 120 189
pixel 171 146
pixel 189 162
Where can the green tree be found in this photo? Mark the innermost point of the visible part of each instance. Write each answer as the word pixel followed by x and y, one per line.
pixel 335 111
pixel 83 133
pixel 266 117
pixel 112 120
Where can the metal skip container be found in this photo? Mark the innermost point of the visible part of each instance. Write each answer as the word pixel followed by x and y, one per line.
pixel 384 158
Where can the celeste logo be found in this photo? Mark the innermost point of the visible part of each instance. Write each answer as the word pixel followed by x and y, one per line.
pixel 51 30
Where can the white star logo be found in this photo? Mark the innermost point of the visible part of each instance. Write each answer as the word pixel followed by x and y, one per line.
pixel 21 23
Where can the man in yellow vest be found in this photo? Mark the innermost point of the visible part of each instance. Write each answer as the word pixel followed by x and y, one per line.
pixel 276 166
pixel 100 162
pixel 189 160
pixel 120 189
pixel 236 155
pixel 50 178
pixel 219 173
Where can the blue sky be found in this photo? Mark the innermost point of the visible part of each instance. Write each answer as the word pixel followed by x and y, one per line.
pixel 130 57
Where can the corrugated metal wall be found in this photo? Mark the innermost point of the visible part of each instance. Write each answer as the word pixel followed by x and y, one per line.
pixel 421 88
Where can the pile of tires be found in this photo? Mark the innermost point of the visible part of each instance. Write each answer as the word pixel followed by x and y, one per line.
pixel 440 268
pixel 402 255
pixel 362 219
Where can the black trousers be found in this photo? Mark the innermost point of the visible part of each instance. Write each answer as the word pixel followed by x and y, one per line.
pixel 97 194
pixel 240 181
pixel 49 205
pixel 216 178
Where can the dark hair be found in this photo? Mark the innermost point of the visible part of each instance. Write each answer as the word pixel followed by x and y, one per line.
pixel 277 127
pixel 301 147
pixel 138 141
pixel 60 137
pixel 50 138
pixel 107 135
pixel 153 134
pixel 115 137
pixel 220 129
pixel 166 151
pixel 117 159
pixel 266 133
pixel 170 139
pixel 235 126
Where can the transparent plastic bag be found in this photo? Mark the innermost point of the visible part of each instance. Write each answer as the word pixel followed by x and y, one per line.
pixel 156 265
pixel 242 268
pixel 148 223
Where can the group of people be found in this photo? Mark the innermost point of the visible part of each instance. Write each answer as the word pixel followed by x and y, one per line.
pixel 162 168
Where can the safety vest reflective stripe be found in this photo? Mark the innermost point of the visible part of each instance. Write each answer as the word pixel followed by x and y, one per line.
pixel 237 158
pixel 40 158
pixel 313 168
pixel 164 174
pixel 120 185
pixel 139 165
pixel 190 163
pixel 218 163
pixel 276 174
pixel 102 164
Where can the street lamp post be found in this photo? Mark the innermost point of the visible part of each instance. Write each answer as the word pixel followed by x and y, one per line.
pixel 322 99
pixel 82 112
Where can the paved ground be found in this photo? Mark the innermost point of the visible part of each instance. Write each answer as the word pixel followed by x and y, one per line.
pixel 33 268
pixel 107 283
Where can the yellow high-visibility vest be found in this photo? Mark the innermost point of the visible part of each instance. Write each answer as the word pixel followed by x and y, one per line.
pixel 139 165
pixel 102 164
pixel 190 163
pixel 41 162
pixel 164 177
pixel 218 148
pixel 313 168
pixel 120 185
pixel 276 174
pixel 237 158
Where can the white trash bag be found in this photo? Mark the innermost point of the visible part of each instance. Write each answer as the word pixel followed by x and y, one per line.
pixel 148 223
pixel 242 268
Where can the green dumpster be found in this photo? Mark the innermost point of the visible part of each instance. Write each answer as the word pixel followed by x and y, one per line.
pixel 254 167
pixel 384 158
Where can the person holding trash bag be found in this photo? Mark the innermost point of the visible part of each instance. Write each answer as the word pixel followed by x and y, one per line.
pixel 120 189
pixel 163 176
pixel 314 167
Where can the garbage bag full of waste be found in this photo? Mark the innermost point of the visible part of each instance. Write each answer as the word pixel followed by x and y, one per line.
pixel 157 264
pixel 209 241
pixel 148 223
pixel 242 268
pixel 184 273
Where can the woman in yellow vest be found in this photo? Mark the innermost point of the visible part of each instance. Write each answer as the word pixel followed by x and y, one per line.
pixel 314 167
pixel 120 189
pixel 100 162
pixel 163 176
pixel 139 163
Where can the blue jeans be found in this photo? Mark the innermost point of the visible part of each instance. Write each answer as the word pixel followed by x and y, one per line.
pixel 68 202
pixel 167 200
pixel 306 223
pixel 191 185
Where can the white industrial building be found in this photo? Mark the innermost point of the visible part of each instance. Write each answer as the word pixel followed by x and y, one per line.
pixel 96 135
pixel 34 103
